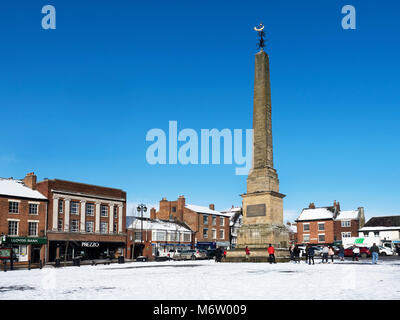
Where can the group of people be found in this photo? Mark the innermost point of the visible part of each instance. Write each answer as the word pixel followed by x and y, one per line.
pixel 309 252
pixel 270 250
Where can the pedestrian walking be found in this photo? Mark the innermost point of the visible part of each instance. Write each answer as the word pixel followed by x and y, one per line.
pixel 356 252
pixel 296 252
pixel 375 253
pixel 247 253
pixel 306 253
pixel 291 250
pixel 218 255
pixel 310 253
pixel 271 252
pixel 325 252
pixel 224 253
pixel 331 253
pixel 341 253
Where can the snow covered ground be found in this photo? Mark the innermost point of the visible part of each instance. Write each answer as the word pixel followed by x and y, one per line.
pixel 207 280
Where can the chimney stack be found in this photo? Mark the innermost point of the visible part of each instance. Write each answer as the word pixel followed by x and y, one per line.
pixel 211 206
pixel 311 205
pixel 30 180
pixel 152 213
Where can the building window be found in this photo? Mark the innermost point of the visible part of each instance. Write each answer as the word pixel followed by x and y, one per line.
pixel 346 235
pixel 33 208
pixel 172 236
pixel 221 221
pixel 205 233
pixel 60 206
pixel 74 225
pixel 376 234
pixel 346 223
pixel 321 238
pixel 32 226
pixel 13 207
pixel 103 227
pixel 173 209
pixel 365 234
pixel 205 219
pixel 321 226
pixel 103 211
pixel 186 237
pixel 115 212
pixel 13 228
pixel 60 225
pixel 161 236
pixel 214 234
pixel 214 220
pixel 74 209
pixel 90 209
pixel 306 238
pixel 221 233
pixel 115 229
pixel 138 236
pixel 306 227
pixel 89 226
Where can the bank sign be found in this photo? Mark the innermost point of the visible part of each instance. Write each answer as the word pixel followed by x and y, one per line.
pixel 88 244
pixel 25 240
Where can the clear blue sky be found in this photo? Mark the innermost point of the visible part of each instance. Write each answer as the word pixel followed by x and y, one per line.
pixel 76 102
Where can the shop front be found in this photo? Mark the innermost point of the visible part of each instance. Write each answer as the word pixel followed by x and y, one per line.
pixel 85 250
pixel 206 245
pixel 162 249
pixel 26 249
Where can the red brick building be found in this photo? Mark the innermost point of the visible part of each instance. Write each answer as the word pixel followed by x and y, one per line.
pixel 328 225
pixel 157 237
pixel 211 228
pixel 23 219
pixel 84 220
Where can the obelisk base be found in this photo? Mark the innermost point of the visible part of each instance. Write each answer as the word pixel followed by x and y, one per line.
pixel 257 238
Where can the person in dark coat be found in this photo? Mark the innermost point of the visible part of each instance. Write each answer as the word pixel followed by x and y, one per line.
pixel 341 253
pixel 296 252
pixel 310 255
pixel 306 252
pixel 218 255
pixel 375 253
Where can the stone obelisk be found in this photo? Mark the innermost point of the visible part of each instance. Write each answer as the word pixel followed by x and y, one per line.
pixel 262 204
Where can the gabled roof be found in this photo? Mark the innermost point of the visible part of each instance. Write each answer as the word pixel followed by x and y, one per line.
pixel 201 209
pixel 315 214
pixel 16 188
pixel 347 215
pixel 157 224
pixel 388 221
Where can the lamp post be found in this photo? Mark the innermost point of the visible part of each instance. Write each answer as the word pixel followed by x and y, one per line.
pixel 141 208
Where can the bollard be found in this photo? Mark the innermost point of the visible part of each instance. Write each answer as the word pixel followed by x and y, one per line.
pixel 40 264
pixel 5 266
pixel 29 265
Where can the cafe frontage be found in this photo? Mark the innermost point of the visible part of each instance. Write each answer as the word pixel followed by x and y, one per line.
pixel 85 247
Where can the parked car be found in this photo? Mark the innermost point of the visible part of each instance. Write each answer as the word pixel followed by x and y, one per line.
pixel 192 254
pixel 364 252
pixel 385 251
pixel 171 253
pixel 317 250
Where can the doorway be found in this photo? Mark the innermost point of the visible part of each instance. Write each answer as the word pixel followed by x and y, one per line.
pixel 35 253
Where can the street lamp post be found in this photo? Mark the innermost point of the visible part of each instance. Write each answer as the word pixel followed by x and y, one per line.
pixel 141 208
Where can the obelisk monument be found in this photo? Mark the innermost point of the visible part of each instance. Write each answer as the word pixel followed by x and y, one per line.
pixel 263 203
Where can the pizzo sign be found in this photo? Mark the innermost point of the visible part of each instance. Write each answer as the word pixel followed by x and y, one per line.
pixel 90 244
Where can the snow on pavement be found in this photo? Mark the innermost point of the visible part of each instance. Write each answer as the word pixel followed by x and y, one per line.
pixel 206 280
